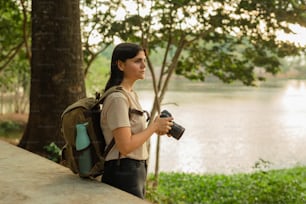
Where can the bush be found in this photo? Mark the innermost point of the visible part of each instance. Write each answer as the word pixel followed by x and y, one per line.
pixel 9 128
pixel 54 152
pixel 275 186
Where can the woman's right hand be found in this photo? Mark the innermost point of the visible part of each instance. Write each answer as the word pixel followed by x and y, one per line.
pixel 163 125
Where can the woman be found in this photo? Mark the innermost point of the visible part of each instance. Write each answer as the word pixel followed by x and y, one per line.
pixel 125 166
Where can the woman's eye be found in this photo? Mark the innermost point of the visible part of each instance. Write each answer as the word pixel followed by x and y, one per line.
pixel 140 61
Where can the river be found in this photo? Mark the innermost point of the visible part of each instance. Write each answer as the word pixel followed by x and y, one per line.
pixel 231 127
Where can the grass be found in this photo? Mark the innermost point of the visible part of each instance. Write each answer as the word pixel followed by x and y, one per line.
pixel 275 186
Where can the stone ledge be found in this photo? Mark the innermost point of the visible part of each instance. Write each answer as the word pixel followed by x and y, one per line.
pixel 27 178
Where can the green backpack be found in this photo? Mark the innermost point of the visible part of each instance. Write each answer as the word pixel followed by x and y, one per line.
pixel 85 149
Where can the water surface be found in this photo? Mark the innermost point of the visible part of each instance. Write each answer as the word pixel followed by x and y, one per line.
pixel 230 128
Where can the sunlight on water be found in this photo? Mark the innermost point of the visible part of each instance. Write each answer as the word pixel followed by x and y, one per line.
pixel 294 104
pixel 295 95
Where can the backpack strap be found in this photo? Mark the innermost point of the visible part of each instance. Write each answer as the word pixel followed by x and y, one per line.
pixel 101 101
pixel 109 147
pixel 138 112
pixel 108 92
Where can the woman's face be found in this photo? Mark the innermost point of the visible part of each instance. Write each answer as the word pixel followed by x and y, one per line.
pixel 134 68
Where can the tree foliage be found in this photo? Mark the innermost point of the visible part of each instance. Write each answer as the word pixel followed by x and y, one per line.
pixel 97 18
pixel 14 50
pixel 228 39
pixel 11 40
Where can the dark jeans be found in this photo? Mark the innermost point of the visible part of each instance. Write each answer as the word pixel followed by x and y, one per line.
pixel 126 174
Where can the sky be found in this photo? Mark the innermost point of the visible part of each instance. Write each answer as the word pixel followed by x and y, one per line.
pixel 299 37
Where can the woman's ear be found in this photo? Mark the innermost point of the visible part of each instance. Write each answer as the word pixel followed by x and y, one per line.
pixel 120 65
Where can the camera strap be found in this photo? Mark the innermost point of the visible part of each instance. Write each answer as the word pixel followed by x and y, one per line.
pixel 141 113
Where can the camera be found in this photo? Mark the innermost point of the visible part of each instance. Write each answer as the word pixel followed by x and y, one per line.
pixel 176 130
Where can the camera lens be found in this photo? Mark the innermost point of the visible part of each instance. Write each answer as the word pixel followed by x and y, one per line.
pixel 176 130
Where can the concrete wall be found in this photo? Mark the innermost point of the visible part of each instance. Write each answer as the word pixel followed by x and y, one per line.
pixel 26 178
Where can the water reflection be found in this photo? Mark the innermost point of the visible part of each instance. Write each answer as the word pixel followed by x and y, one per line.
pixel 293 103
pixel 228 129
pixel 295 95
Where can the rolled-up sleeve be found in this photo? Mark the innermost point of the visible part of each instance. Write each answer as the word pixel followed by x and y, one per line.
pixel 118 112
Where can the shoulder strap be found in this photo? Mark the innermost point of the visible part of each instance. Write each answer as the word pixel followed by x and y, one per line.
pixel 109 147
pixel 108 92
pixel 101 101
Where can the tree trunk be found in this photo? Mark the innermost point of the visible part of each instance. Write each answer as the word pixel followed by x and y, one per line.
pixel 57 77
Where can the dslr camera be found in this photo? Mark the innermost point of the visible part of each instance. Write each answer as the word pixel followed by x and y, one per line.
pixel 176 130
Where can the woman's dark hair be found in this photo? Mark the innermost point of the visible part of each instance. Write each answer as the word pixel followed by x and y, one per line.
pixel 122 52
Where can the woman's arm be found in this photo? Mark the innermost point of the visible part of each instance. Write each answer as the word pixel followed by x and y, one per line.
pixel 126 142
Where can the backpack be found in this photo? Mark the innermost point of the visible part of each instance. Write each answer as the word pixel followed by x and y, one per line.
pixel 85 149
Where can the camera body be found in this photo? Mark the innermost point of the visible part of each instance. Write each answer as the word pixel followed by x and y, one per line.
pixel 176 130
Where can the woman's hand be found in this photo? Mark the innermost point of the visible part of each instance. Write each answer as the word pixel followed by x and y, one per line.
pixel 163 125
pixel 126 142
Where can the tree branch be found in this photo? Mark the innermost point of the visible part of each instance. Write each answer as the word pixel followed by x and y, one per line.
pixel 92 57
pixel 172 67
pixel 10 56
